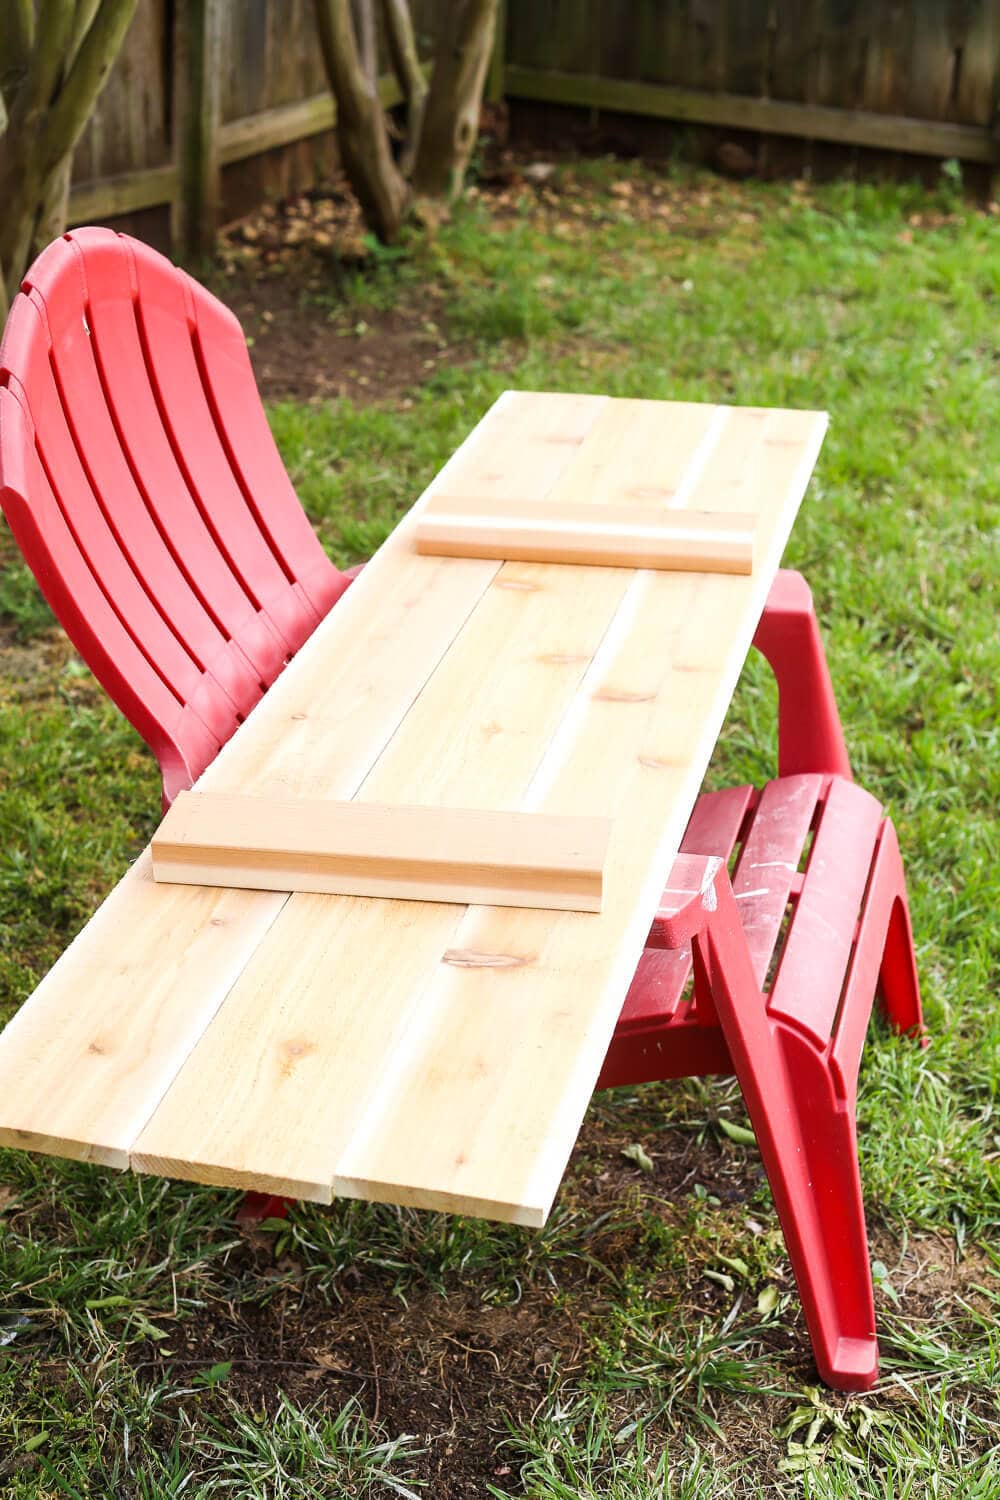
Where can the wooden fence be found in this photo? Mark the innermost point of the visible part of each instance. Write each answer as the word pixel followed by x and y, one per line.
pixel 215 105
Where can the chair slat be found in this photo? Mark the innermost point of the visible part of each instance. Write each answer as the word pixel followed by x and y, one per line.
pixel 811 971
pixel 662 973
pixel 164 652
pixel 221 351
pixel 69 585
pixel 769 859
pixel 166 318
pixel 28 356
pixel 139 435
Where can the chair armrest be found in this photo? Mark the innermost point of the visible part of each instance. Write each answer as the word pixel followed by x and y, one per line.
pixel 810 737
pixel 690 897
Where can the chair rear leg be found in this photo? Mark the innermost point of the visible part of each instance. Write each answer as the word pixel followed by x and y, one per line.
pixel 805 1130
pixel 899 986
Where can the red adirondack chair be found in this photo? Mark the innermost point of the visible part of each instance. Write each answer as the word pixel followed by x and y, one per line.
pixel 140 479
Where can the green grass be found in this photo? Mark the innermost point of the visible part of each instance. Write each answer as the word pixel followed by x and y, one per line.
pixel 149 1350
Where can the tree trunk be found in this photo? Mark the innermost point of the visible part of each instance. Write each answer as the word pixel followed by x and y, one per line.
pixel 361 128
pixel 451 119
pixel 57 67
pixel 406 66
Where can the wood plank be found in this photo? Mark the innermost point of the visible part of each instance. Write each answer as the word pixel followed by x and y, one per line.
pixel 314 734
pixel 477 734
pixel 817 122
pixel 417 1051
pixel 520 1121
pixel 197 74
pixel 404 852
pixel 566 669
pixel 75 1078
pixel 597 535
pixel 106 198
pixel 285 123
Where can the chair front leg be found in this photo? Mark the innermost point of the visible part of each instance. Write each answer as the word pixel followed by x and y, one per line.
pixel 804 1127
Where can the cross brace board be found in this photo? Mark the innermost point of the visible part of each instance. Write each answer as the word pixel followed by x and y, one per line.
pixel 605 535
pixel 374 849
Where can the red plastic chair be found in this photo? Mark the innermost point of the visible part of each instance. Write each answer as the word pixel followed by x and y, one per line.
pixel 141 481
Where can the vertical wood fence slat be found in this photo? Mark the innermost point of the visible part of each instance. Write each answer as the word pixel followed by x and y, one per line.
pixel 710 66
pixel 197 97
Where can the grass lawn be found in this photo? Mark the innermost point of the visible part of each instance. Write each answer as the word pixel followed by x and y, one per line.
pixel 647 1343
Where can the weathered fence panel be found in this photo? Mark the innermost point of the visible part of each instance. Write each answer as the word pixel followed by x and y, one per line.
pixel 879 77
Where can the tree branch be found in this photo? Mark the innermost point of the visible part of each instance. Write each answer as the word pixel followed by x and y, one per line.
pixel 364 32
pixel 17 25
pixel 85 12
pixel 406 66
pixel 361 128
pixel 94 60
pixel 45 62
pixel 451 120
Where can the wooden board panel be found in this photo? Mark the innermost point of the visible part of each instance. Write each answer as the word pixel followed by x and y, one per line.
pixel 395 851
pixel 477 733
pixel 523 1120
pixel 420 1052
pixel 501 1038
pixel 603 535
pixel 314 734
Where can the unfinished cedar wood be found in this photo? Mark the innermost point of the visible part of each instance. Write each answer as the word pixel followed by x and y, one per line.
pixel 409 853
pixel 624 536
pixel 450 681
pixel 850 75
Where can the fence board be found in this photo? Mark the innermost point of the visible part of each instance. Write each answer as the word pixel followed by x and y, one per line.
pixel 892 76
pixel 128 129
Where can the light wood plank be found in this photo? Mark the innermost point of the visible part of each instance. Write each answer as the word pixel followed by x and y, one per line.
pixel 595 535
pixel 107 1024
pixel 477 732
pixel 416 1051
pixel 394 851
pixel 315 733
pixel 521 1116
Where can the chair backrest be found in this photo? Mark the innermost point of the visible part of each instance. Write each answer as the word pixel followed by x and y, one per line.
pixel 144 488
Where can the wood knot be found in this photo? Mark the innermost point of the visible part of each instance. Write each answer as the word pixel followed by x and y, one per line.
pixel 292 1052
pixel 620 695
pixel 469 958
pixel 650 492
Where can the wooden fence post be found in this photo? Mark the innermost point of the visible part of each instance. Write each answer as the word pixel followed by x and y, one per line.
pixel 197 94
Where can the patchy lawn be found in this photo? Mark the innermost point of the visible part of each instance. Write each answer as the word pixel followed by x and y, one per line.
pixel 648 1342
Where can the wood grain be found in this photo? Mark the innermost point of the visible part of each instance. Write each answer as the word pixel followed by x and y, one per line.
pixel 394 851
pixel 415 1051
pixel 602 535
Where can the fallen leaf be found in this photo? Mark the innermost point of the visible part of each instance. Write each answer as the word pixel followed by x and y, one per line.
pixel 738 1133
pixel 636 1154
pixel 767 1301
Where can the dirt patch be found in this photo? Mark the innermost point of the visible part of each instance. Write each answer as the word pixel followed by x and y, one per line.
pixel 285 272
pixel 301 350
pixel 445 1370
